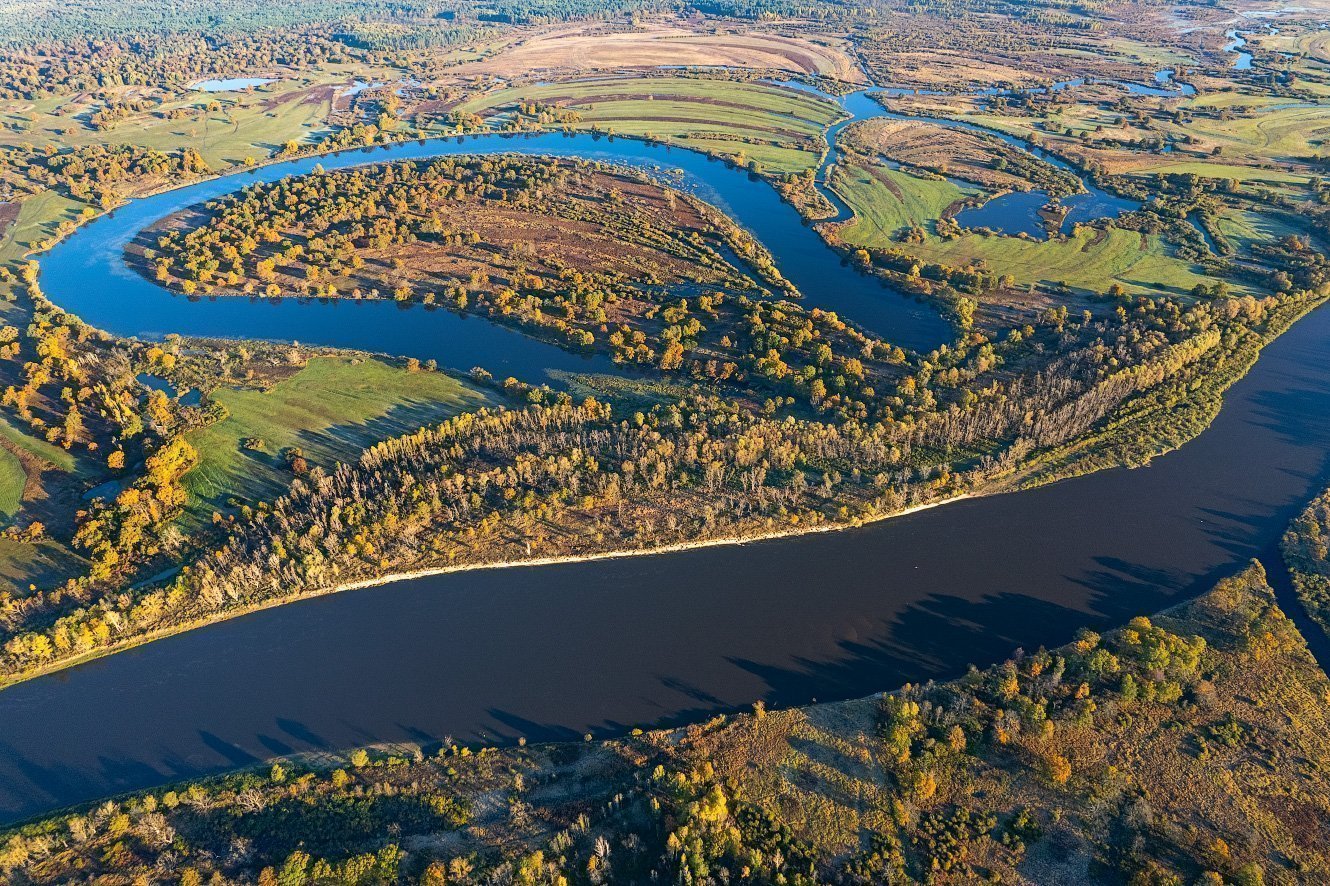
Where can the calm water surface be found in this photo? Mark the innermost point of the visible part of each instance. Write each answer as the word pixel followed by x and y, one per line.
pixel 553 652
pixel 232 84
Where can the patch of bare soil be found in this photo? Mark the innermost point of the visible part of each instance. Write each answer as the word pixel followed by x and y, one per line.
pixel 8 215
pixel 948 151
pixel 598 47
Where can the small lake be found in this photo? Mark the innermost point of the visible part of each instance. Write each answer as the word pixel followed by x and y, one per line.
pixel 1014 213
pixel 233 84
pixel 190 397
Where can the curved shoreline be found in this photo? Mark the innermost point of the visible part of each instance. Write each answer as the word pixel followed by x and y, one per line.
pixel 1165 447
pixel 862 97
pixel 548 653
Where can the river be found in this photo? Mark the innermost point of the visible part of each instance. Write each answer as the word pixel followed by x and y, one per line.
pixel 552 652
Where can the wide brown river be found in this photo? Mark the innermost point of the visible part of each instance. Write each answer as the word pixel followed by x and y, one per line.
pixel 553 652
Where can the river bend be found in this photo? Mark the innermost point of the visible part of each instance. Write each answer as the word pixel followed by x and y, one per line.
pixel 552 652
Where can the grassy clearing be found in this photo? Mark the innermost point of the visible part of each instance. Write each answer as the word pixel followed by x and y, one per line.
pixel 1261 133
pixel 14 476
pixel 60 458
pixel 1084 261
pixel 1274 132
pixel 331 409
pixel 42 564
pixel 1087 260
pixel 1151 55
pixel 779 128
pixel 886 200
pixel 38 218
pixel 1250 178
pixel 1245 229
pixel 12 480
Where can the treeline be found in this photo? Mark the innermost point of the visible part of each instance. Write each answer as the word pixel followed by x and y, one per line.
pixel 372 23
pixel 77 388
pixel 156 62
pixel 555 478
pixel 560 478
pixel 103 175
pixel 1306 548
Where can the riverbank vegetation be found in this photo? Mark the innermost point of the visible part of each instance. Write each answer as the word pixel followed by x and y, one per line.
pixel 559 478
pixel 328 411
pixel 790 418
pixel 1306 548
pixel 1093 762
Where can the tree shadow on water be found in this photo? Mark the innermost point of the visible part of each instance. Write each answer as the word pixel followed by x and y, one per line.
pixel 937 638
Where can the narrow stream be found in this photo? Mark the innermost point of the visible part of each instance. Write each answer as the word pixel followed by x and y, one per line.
pixel 1011 213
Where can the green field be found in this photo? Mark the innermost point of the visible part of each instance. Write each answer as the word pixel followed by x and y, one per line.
pixel 42 564
pixel 38 218
pixel 239 125
pixel 886 200
pixel 1262 133
pixel 13 476
pixel 779 128
pixel 1143 266
pixel 1248 228
pixel 331 409
pixel 60 458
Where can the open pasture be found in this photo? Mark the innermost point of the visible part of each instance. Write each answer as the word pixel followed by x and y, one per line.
pixel 886 201
pixel 779 128
pixel 225 127
pixel 331 410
